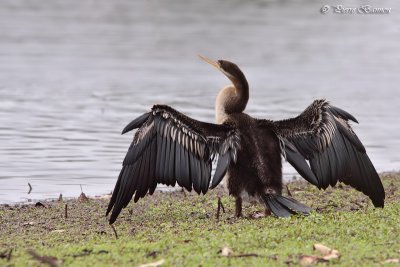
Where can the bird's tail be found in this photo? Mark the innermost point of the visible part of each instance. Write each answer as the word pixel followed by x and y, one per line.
pixel 282 206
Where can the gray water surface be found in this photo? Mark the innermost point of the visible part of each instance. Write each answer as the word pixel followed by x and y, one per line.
pixel 74 73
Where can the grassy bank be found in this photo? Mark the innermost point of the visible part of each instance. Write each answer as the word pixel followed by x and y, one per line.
pixel 181 230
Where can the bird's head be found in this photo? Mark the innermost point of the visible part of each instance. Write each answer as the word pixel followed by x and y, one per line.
pixel 229 69
pixel 234 98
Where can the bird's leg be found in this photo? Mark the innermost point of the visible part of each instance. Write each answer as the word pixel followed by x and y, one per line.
pixel 220 206
pixel 238 207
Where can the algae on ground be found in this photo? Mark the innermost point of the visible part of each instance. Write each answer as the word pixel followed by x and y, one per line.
pixel 182 230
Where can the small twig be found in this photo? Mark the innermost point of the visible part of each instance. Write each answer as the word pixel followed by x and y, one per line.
pixel 115 231
pixel 183 191
pixel 245 255
pixel 66 211
pixel 6 254
pixel 218 208
pixel 52 261
pixel 9 255
pixel 30 188
pixel 288 191
pixel 81 188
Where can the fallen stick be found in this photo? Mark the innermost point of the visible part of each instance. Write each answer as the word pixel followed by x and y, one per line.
pixel 115 231
pixel 52 261
pixel 288 191
pixel 183 191
pixel 9 255
pixel 245 255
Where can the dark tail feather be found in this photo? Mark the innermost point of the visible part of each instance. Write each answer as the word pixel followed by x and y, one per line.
pixel 282 206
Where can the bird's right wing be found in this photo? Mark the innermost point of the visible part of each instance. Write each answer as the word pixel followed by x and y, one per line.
pixel 170 148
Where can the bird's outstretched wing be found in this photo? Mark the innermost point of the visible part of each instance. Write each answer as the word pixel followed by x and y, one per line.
pixel 170 148
pixel 322 136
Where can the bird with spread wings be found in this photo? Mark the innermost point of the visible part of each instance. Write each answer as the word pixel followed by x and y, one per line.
pixel 171 148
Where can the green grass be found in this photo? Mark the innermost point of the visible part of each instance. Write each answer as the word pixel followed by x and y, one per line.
pixel 182 229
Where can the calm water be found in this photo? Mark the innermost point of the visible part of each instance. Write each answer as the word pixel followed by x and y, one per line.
pixel 74 73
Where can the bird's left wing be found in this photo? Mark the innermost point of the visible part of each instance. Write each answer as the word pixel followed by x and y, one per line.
pixel 170 148
pixel 322 135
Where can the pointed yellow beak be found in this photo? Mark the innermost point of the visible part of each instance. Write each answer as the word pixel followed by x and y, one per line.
pixel 211 62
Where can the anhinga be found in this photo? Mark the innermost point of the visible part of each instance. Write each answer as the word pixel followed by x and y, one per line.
pixel 171 148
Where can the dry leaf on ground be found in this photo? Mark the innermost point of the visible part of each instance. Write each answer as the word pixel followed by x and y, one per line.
pixel 153 264
pixel 308 260
pixel 391 261
pixel 325 250
pixel 226 252
pixel 330 256
pixel 58 231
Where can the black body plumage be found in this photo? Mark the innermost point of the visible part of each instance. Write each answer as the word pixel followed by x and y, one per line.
pixel 171 148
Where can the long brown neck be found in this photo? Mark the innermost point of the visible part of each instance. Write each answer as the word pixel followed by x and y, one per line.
pixel 237 102
pixel 232 99
pixel 242 93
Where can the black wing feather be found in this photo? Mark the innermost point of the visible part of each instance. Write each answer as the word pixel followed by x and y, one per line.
pixel 161 147
pixel 114 196
pixel 194 174
pixel 338 112
pixel 140 176
pixel 301 166
pixel 222 166
pixel 136 123
pixel 186 167
pixel 170 163
pixel 206 177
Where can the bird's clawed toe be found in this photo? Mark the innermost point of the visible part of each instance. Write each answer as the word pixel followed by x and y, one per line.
pixel 238 207
pixel 260 214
